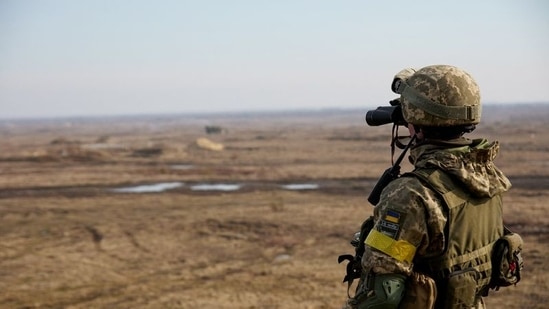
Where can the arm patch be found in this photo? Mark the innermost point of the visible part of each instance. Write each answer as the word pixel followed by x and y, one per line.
pixel 389 224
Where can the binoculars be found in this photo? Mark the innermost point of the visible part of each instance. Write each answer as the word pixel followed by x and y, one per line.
pixel 386 114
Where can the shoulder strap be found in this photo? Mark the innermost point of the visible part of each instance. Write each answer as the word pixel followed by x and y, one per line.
pixel 442 183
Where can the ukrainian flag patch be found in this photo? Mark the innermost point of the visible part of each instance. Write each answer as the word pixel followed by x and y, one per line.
pixel 392 216
pixel 389 224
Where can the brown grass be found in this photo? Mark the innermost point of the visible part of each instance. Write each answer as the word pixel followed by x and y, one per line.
pixel 66 241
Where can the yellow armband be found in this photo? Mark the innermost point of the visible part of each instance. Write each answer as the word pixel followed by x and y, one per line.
pixel 400 250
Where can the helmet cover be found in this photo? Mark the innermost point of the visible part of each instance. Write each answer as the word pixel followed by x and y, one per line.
pixel 440 95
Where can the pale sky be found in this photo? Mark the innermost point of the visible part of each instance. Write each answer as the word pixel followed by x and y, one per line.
pixel 63 58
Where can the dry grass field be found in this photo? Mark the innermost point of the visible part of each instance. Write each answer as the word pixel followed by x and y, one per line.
pixel 69 239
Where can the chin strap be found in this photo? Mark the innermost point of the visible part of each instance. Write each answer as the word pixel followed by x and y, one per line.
pixel 396 142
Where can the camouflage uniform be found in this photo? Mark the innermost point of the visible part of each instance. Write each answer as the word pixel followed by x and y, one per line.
pixel 434 230
pixel 410 211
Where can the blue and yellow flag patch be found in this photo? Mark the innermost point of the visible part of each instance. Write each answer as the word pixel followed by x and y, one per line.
pixel 390 223
pixel 392 216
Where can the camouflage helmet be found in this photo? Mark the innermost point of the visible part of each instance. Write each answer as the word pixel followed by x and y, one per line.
pixel 438 95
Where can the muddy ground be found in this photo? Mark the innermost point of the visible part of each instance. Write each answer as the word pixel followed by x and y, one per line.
pixel 68 239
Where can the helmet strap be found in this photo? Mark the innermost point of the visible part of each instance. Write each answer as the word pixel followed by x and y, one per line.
pixel 396 141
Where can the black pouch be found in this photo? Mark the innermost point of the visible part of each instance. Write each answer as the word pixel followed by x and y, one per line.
pixel 461 289
pixel 507 260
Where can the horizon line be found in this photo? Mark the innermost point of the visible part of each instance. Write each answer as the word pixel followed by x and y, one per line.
pixel 226 112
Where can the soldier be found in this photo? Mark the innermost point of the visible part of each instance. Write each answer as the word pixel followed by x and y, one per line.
pixel 434 229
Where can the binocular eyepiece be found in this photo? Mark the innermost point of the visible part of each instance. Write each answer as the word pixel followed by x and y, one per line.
pixel 386 114
pixel 391 114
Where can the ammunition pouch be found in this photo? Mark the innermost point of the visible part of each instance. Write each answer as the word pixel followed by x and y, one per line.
pixel 461 289
pixel 421 292
pixel 507 260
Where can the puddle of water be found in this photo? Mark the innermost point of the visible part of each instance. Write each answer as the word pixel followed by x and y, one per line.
pixel 163 186
pixel 158 187
pixel 182 166
pixel 301 186
pixel 216 187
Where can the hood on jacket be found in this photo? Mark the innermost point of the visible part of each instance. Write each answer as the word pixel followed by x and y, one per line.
pixel 470 161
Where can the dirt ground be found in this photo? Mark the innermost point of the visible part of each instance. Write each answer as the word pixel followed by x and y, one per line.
pixel 68 239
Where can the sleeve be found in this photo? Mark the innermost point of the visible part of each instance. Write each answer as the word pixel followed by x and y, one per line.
pixel 401 227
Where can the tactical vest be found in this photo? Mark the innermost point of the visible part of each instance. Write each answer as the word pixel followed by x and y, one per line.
pixel 473 226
